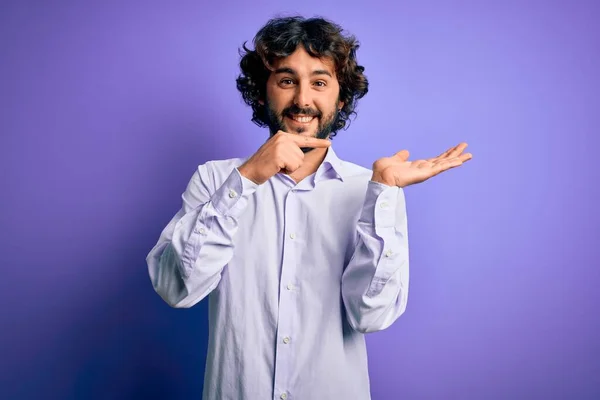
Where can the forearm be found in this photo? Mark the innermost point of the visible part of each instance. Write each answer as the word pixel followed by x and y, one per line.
pixel 186 268
pixel 375 282
pixel 187 262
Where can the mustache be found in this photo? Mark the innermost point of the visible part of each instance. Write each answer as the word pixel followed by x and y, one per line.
pixel 295 110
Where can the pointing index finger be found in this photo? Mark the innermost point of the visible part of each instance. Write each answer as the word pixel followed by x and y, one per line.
pixel 307 141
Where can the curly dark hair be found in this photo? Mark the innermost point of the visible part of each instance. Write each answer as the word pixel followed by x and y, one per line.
pixel 321 38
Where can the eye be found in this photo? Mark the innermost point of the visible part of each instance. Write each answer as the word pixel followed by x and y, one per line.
pixel 320 83
pixel 286 81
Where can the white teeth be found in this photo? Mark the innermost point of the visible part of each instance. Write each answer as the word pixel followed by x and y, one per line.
pixel 303 119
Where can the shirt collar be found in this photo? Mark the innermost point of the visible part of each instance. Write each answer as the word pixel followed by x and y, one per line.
pixel 331 167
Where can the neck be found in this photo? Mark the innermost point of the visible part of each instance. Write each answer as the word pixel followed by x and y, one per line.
pixel 311 163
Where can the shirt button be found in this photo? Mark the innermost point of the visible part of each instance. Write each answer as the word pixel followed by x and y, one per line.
pixel 384 205
pixel 389 253
pixel 202 231
pixel 292 236
pixel 290 286
pixel 232 194
pixel 286 340
pixel 283 396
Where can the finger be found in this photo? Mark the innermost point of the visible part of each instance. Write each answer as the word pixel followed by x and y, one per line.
pixel 457 151
pixel 466 157
pixel 443 155
pixel 291 150
pixel 463 157
pixel 442 160
pixel 292 160
pixel 297 152
pixel 446 164
pixel 307 141
pixel 421 164
pixel 402 155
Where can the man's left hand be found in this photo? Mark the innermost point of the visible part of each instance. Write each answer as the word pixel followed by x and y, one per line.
pixel 398 171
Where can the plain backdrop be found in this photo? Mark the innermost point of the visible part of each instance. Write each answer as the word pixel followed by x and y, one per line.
pixel 108 107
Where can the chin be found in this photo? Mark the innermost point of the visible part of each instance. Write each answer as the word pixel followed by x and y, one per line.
pixel 304 132
pixel 298 130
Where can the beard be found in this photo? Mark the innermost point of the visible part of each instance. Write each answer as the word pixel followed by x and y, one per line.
pixel 324 128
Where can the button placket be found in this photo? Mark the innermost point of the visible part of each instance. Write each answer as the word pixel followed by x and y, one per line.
pixel 287 299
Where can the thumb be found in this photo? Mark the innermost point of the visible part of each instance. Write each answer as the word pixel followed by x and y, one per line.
pixel 402 155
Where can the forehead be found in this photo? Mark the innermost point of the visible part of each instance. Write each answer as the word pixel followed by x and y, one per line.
pixel 303 63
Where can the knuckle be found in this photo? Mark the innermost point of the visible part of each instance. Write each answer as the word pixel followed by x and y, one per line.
pixel 282 141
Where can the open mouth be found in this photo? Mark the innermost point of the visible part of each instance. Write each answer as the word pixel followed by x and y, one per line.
pixel 300 119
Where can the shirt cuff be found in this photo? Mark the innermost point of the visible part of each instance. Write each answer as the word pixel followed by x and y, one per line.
pixel 249 186
pixel 231 198
pixel 380 204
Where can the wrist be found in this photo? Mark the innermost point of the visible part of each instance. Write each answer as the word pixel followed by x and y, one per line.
pixel 377 178
pixel 246 172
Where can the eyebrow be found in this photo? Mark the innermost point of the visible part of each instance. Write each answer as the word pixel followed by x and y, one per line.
pixel 288 70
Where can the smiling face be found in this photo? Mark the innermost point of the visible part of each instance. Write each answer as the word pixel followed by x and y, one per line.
pixel 302 95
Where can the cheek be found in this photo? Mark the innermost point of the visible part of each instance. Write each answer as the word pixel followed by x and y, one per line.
pixel 327 110
pixel 327 104
pixel 269 90
pixel 277 97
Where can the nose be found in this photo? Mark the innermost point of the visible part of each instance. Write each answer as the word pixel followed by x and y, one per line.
pixel 302 95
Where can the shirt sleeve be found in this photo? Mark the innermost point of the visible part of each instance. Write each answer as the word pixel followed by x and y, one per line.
pixel 186 263
pixel 375 281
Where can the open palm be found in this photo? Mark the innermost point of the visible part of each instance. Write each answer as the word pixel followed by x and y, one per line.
pixel 398 171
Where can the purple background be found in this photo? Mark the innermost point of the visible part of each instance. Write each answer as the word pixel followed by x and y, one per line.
pixel 107 108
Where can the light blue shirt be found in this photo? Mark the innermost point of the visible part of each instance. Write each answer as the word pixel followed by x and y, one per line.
pixel 295 274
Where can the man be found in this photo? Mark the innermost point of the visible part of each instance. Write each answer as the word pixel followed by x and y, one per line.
pixel 299 252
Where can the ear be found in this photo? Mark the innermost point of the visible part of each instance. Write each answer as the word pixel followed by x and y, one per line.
pixel 261 102
pixel 340 105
